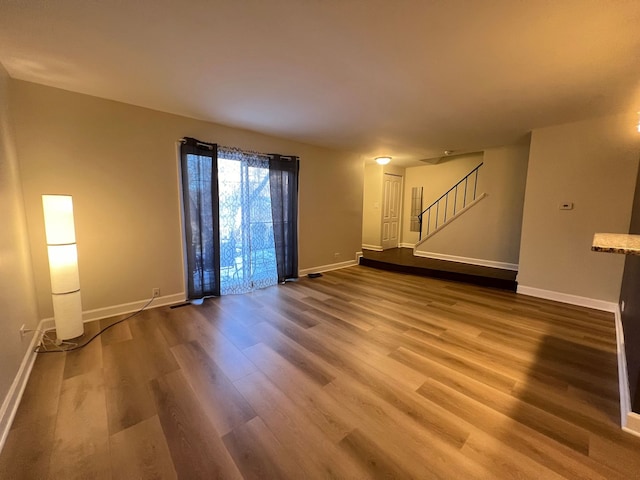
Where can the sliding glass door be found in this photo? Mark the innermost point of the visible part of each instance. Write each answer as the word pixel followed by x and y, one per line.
pixel 241 214
pixel 247 249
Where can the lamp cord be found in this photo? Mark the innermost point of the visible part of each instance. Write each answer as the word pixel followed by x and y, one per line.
pixel 42 349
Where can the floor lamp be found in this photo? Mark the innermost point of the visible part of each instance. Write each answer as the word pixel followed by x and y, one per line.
pixel 63 265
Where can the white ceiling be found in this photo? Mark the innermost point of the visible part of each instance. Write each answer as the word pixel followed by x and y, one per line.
pixel 406 78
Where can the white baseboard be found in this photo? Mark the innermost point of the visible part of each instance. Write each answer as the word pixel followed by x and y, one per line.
pixel 406 245
pixel 106 312
pixel 375 248
pixel 568 298
pixel 633 424
pixel 327 268
pixel 12 400
pixel 123 309
pixel 629 420
pixel 623 377
pixel 468 260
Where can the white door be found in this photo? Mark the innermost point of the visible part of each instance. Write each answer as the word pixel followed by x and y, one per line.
pixel 391 195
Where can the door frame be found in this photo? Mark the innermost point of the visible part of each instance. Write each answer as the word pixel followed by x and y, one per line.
pixel 400 209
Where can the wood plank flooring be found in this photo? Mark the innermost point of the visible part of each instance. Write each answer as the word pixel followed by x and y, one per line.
pixel 358 374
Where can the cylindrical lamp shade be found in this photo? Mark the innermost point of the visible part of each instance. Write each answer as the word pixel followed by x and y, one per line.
pixel 58 219
pixel 67 312
pixel 63 268
pixel 63 265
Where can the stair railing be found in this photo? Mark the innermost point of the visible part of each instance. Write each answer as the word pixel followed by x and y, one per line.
pixel 466 198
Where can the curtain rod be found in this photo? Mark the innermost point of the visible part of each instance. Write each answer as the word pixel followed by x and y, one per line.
pixel 258 154
pixel 199 143
pixel 249 152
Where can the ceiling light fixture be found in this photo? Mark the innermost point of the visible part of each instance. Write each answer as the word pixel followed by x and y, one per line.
pixel 383 160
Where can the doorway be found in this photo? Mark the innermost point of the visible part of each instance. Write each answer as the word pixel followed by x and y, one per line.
pixel 247 247
pixel 391 202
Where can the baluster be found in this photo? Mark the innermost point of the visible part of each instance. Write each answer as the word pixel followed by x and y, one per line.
pixel 476 184
pixel 446 206
pixel 464 199
pixel 455 199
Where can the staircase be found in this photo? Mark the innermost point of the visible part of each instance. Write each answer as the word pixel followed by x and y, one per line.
pixel 448 207
pixel 451 205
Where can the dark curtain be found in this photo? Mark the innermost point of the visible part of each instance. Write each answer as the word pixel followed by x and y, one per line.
pixel 199 166
pixel 283 184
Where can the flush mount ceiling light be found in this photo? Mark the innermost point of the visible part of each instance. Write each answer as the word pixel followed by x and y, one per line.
pixel 383 160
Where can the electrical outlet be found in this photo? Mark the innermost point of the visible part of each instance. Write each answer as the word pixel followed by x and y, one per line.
pixel 155 292
pixel 336 255
pixel 622 306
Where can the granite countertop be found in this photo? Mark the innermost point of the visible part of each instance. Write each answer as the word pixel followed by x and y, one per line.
pixel 616 243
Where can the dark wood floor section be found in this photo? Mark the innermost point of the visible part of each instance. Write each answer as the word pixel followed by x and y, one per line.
pixel 358 374
pixel 403 260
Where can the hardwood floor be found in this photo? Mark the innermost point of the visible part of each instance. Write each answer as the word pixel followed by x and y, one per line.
pixel 358 374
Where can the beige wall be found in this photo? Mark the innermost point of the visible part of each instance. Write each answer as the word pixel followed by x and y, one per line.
pixel 593 164
pixel 372 206
pixel 120 164
pixel 489 231
pixel 17 299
